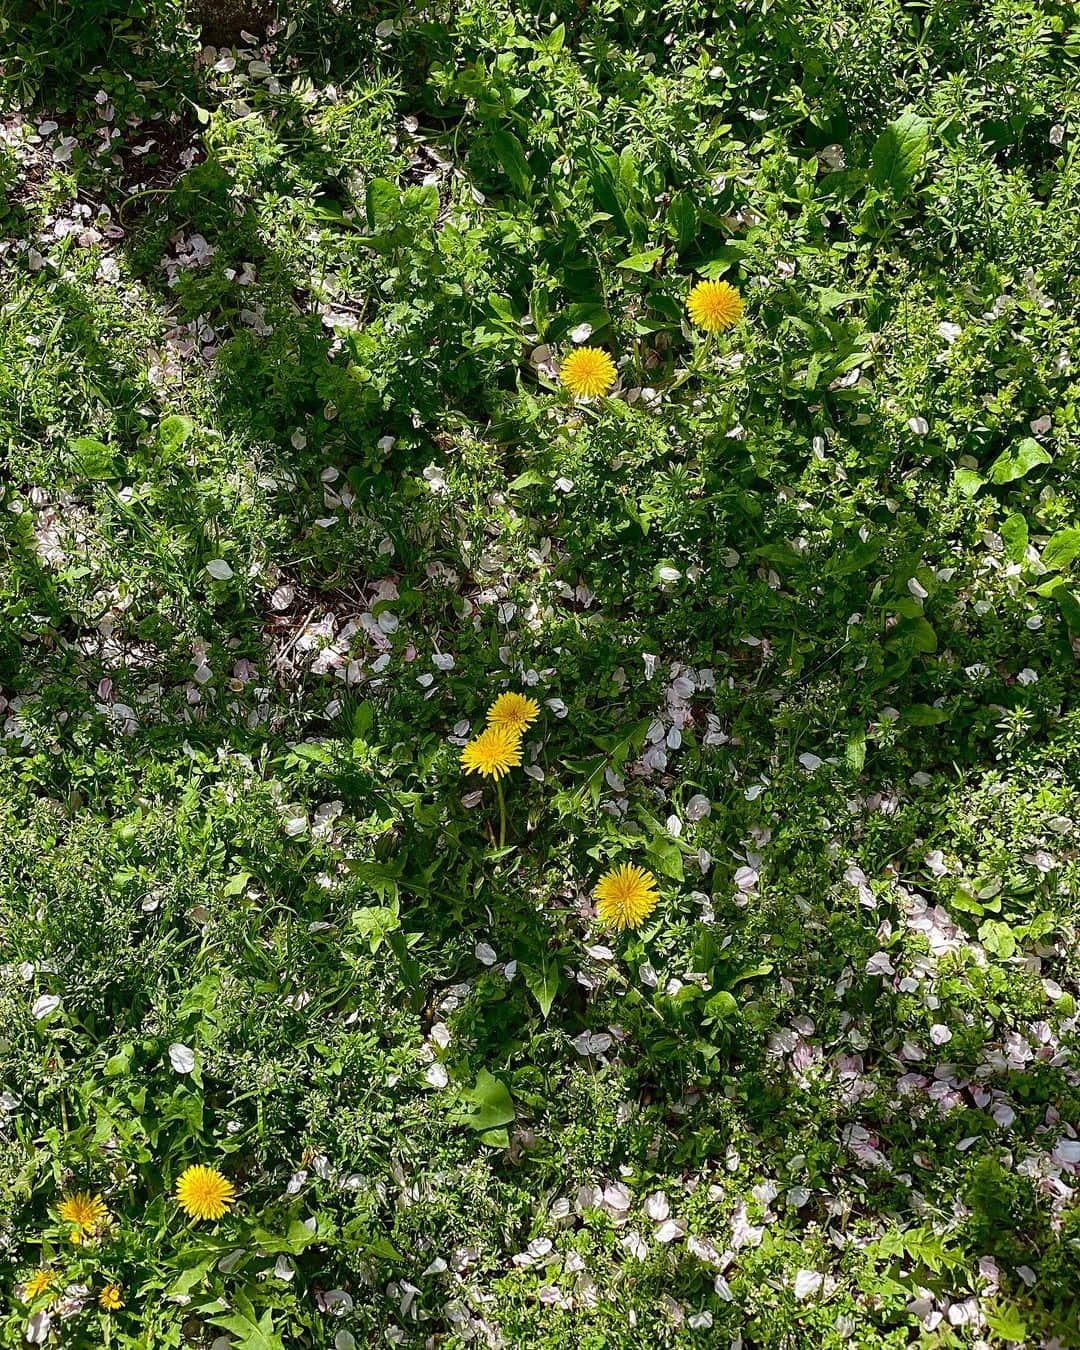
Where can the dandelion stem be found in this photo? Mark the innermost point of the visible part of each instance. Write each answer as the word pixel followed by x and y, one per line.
pixel 502 814
pixel 701 351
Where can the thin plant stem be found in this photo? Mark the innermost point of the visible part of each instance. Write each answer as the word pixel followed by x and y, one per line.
pixel 502 814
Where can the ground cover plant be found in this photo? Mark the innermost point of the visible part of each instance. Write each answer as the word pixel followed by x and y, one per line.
pixel 539 751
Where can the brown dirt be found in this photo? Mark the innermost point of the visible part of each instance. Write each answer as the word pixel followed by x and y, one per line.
pixel 222 21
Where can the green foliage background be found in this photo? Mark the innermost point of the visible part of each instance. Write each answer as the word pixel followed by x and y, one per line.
pixel 822 576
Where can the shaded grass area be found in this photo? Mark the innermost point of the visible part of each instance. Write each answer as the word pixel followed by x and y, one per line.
pixel 234 827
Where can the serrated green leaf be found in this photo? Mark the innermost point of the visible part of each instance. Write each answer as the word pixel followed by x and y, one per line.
pixel 490 1104
pixel 1007 1323
pixel 898 153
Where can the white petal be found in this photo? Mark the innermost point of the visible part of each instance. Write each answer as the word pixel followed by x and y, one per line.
pixel 181 1057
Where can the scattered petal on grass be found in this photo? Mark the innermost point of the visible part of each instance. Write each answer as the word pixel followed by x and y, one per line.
pixel 181 1057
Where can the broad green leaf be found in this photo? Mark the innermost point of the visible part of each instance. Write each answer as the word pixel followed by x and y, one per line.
pixel 1062 547
pixel 174 431
pixel 383 202
pixel 721 1006
pixel 543 983
pixel 191 1277
pixel 898 153
pixel 751 973
pixel 968 481
pixel 830 300
pixel 94 459
pixel 855 751
pixel 1069 604
pixel 376 923
pixel 917 631
pixel 1014 535
pixel 508 151
pixel 119 1063
pixel 642 262
pixel 383 878
pixel 666 857
pixel 490 1102
pixel 1007 1323
pixel 923 715
pixel 1018 461
pixel 251 1334
pixel 423 200
pixel 382 1249
pixel 998 939
pixel 530 478
pixel 682 219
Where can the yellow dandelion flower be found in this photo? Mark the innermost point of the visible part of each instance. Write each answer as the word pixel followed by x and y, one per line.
pixel 714 306
pixel 587 372
pixel 203 1193
pixel 85 1211
pixel 110 1298
pixel 626 896
pixel 37 1283
pixel 493 753
pixel 515 712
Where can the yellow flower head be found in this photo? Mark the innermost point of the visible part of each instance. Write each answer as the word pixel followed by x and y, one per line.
pixel 515 712
pixel 37 1283
pixel 85 1211
pixel 110 1298
pixel 493 753
pixel 714 306
pixel 626 896
pixel 203 1193
pixel 587 372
